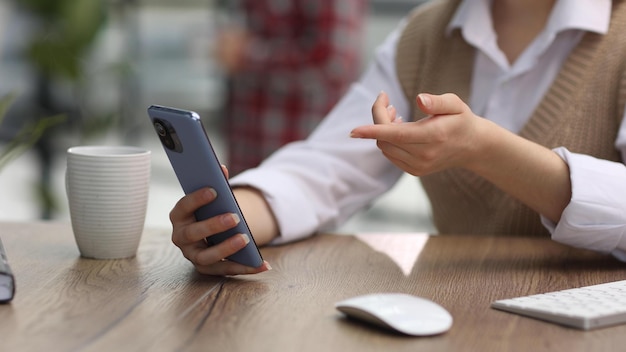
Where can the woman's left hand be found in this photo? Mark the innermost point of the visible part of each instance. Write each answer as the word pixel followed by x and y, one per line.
pixel 452 136
pixel 449 137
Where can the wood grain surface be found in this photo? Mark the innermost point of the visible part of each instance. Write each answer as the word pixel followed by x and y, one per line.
pixel 156 301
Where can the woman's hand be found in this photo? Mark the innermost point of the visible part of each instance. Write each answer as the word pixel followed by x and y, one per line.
pixel 452 136
pixel 188 235
pixel 448 137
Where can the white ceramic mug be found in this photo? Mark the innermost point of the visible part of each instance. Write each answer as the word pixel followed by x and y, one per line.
pixel 107 189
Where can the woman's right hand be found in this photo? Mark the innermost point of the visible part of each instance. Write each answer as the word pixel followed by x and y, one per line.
pixel 188 235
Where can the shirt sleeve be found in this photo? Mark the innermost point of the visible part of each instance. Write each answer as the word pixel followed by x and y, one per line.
pixel 595 218
pixel 318 183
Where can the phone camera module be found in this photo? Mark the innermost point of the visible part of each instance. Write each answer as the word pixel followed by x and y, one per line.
pixel 168 135
pixel 160 129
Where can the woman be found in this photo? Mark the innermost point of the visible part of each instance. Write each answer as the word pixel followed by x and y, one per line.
pixel 516 127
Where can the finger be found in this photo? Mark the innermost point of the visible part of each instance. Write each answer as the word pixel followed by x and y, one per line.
pixel 380 112
pixel 404 160
pixel 396 119
pixel 200 255
pixel 187 205
pixel 393 151
pixel 197 231
pixel 224 249
pixel 394 133
pixel 448 104
pixel 392 112
pixel 192 251
pixel 231 268
pixel 225 171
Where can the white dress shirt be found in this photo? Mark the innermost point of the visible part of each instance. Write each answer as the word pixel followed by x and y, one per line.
pixel 318 183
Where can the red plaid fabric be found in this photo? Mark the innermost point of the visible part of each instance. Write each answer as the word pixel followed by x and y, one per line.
pixel 304 56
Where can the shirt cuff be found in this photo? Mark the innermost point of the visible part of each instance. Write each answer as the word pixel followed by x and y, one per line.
pixel 594 219
pixel 278 192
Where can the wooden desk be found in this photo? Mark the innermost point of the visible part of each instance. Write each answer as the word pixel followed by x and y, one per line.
pixel 156 302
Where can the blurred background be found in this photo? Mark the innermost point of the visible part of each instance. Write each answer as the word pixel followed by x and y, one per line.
pixel 84 72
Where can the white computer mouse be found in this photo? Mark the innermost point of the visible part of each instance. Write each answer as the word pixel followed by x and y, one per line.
pixel 401 312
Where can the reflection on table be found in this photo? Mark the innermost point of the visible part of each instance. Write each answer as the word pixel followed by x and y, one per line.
pixel 156 301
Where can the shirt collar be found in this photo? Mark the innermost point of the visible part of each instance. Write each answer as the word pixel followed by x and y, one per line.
pixel 588 15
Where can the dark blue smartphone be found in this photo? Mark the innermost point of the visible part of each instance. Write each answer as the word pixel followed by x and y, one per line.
pixel 196 166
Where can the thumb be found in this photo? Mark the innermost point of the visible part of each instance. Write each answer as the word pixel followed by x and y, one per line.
pixel 445 104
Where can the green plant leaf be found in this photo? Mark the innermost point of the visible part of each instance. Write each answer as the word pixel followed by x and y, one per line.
pixel 67 30
pixel 27 136
pixel 55 57
pixel 5 102
pixel 82 21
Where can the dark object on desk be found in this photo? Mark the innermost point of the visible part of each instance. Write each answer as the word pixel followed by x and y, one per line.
pixel 195 164
pixel 7 281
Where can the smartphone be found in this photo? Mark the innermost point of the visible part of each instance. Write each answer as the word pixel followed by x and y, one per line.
pixel 196 166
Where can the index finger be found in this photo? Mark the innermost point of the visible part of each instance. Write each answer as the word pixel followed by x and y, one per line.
pixel 445 104
pixel 380 112
pixel 183 211
pixel 395 133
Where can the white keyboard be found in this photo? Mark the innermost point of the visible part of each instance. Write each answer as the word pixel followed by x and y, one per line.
pixel 586 308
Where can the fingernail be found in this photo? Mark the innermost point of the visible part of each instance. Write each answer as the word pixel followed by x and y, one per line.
pixel 239 241
pixel 213 193
pixel 390 107
pixel 425 100
pixel 230 219
pixel 354 134
pixel 268 266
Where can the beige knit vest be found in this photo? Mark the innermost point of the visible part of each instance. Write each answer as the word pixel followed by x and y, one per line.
pixel 582 111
